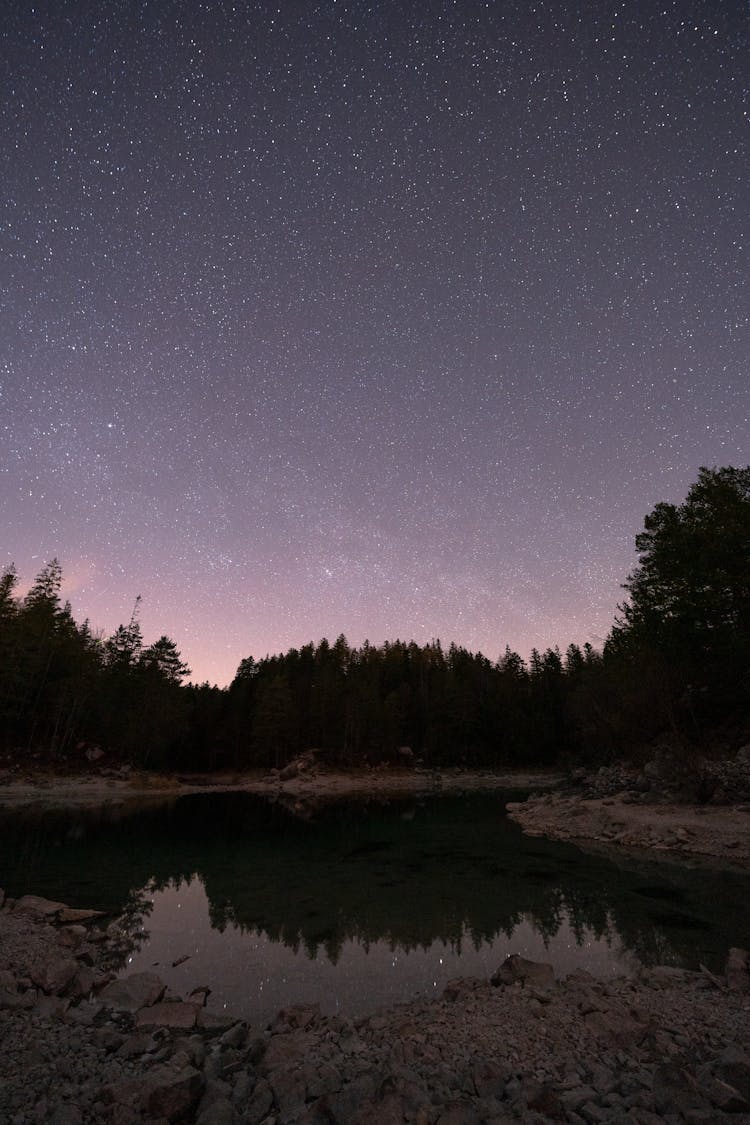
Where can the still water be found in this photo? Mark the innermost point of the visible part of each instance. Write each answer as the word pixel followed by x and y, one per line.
pixel 364 903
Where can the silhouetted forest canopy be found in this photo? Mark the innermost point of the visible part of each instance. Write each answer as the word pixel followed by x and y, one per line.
pixel 675 666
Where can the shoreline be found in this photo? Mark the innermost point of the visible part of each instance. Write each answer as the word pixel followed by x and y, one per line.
pixel 615 823
pixel 656 829
pixel 95 789
pixel 81 1046
pixel 85 1043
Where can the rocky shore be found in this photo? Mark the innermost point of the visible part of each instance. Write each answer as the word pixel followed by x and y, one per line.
pixel 660 808
pixel 79 1045
pixel 302 780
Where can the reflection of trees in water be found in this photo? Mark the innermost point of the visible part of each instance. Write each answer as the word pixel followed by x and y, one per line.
pixel 452 870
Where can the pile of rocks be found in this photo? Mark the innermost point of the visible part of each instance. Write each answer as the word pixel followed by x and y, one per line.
pixel 732 777
pixel 669 776
pixel 80 1046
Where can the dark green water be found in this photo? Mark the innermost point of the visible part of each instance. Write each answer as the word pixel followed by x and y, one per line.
pixel 363 903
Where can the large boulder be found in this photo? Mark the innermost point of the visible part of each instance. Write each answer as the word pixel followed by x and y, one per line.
pixel 173 1092
pixel 168 1013
pixel 139 990
pixel 518 970
pixel 53 974
pixel 39 907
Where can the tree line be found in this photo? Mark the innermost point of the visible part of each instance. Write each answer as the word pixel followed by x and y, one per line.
pixel 675 666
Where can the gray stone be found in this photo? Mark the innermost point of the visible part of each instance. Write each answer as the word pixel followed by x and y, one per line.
pixel 220 1112
pixel 725 1097
pixel 297 1016
pixel 54 974
pixel 168 1013
pixel 351 1097
pixel 136 1045
pixel 287 1050
pixel 15 1001
pixel 172 1092
pixel 51 1007
pixel 577 1097
pixel 235 1036
pixel 290 1092
pixel 459 1111
pixel 261 1101
pixel 139 990
pixel 69 914
pixel 324 1079
pixel 733 1067
pixel 675 1091
pixel 541 1098
pixel 490 1077
pixel 244 1084
pixel 38 907
pixel 518 969
pixel 215 1021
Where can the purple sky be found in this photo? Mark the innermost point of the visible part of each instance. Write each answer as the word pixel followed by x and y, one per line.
pixel 389 318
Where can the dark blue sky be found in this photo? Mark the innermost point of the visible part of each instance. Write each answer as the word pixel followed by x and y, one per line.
pixel 390 319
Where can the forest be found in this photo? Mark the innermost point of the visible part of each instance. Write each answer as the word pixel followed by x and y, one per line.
pixel 674 671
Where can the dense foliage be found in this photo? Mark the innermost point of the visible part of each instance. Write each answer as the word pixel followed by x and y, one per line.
pixel 676 665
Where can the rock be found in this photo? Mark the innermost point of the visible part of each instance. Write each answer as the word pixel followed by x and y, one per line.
pixel 69 914
pixel 243 1088
pixel 139 990
pixel 733 1067
pixel 353 1095
pixel 541 1097
pixel 517 969
pixel 289 1090
pixel 325 1079
pixel 136 1045
pixel 39 907
pixel 214 1021
pixel 286 1050
pixel 172 1092
pixel 12 1000
pixel 459 1111
pixel 168 1013
pixel 296 1016
pixel 236 1036
pixel 676 1092
pixel 736 970
pixel 457 989
pixel 725 1097
pixel 200 995
pixel 220 1112
pixel 54 974
pixel 490 1077
pixel 260 1103
pixel 71 937
pixel 616 1026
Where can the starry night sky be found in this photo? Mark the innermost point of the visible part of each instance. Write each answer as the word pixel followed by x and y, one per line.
pixel 389 318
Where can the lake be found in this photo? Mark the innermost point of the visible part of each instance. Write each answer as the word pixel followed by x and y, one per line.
pixel 361 903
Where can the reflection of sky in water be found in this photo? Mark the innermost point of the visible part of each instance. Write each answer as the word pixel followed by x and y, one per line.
pixel 253 976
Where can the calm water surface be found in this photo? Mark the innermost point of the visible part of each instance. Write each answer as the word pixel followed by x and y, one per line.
pixel 361 903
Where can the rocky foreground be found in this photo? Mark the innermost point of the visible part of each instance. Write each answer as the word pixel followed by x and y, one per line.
pixel 78 1045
